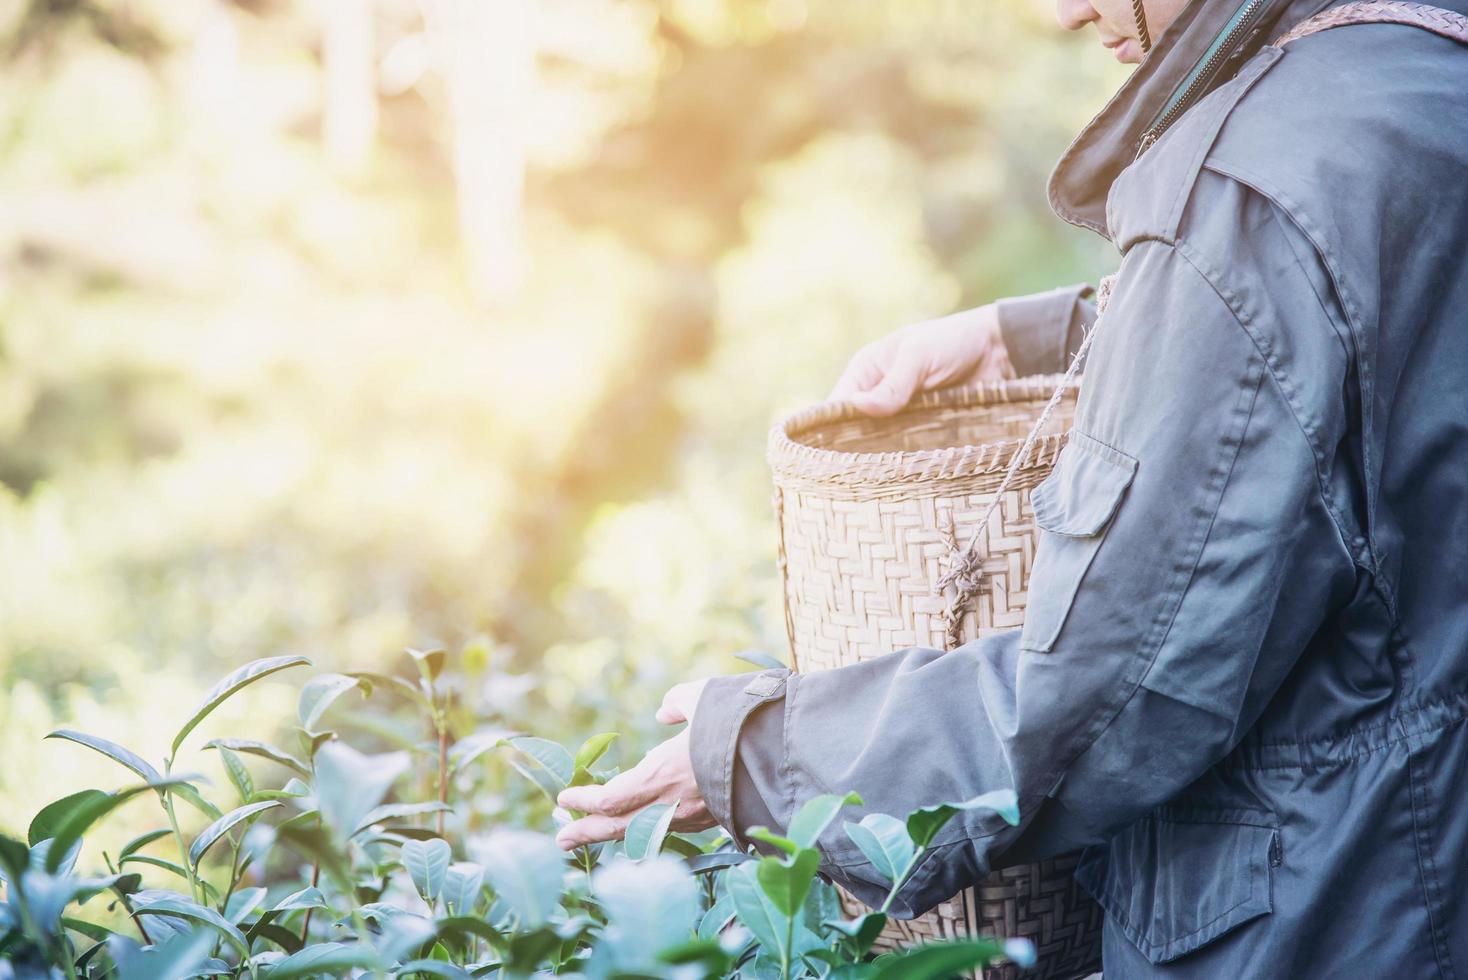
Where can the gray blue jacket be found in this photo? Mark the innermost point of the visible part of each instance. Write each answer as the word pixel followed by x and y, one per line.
pixel 1242 682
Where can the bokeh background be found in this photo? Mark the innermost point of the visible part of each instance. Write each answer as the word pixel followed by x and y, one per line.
pixel 334 327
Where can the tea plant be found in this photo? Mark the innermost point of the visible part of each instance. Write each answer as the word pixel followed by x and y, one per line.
pixel 330 874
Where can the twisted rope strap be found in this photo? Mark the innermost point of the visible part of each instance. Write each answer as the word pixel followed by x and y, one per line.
pixel 965 568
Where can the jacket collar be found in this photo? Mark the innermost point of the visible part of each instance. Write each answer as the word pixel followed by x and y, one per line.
pixel 1109 144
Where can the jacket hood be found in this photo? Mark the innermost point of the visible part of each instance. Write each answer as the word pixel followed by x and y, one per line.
pixel 1110 142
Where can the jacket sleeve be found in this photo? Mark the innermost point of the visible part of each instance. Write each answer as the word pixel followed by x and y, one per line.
pixel 1187 556
pixel 1043 330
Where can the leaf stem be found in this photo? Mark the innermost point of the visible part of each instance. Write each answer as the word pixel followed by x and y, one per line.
pixel 902 879
pixel 183 851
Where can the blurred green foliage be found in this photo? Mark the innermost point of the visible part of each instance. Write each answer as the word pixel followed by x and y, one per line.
pixel 250 404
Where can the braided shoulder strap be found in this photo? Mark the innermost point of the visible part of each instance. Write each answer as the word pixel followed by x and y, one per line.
pixel 1446 23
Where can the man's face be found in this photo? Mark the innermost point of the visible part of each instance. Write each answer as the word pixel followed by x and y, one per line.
pixel 1116 25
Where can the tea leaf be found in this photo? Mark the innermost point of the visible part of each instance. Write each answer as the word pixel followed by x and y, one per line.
pixel 320 692
pixel 245 676
pixel 427 862
pixel 332 958
pixel 756 910
pixel 646 831
pixel 112 750
pixel 862 931
pixel 234 767
pixel 719 915
pixel 349 784
pixel 770 837
pixel 649 905
pixel 178 957
pixel 761 659
pixel 923 824
pixel 788 882
pixel 430 662
pixel 524 869
pixel 392 811
pixel 593 749
pixel 816 815
pixel 262 750
pixel 141 841
pixel 885 843
pixel 88 812
pixel 939 961
pixel 243 902
pixel 43 824
pixel 550 756
pixel 212 833
pixel 461 887
pixel 178 907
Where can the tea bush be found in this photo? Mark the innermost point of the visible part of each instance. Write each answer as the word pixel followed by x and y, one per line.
pixel 323 860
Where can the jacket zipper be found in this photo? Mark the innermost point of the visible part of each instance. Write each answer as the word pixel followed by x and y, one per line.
pixel 1203 73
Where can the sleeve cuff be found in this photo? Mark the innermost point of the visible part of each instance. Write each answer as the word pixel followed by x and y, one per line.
pixel 1041 331
pixel 726 705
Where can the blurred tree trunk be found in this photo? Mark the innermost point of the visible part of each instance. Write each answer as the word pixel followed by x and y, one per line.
pixel 349 105
pixel 486 52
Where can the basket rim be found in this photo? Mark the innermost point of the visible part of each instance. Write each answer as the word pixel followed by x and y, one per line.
pixel 792 460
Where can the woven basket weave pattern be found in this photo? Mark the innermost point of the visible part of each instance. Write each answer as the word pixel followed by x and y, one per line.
pixel 871 513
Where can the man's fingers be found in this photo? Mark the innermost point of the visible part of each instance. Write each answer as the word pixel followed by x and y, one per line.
pixel 902 379
pixel 626 792
pixel 670 714
pixel 591 830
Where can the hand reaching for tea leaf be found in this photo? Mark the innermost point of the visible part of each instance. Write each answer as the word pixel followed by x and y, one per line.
pixel 664 775
pixel 961 348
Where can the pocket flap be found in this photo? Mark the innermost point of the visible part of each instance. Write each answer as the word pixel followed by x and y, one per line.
pixel 1178 879
pixel 1083 491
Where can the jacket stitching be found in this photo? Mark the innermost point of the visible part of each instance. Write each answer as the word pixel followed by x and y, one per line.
pixel 1426 869
pixel 1239 765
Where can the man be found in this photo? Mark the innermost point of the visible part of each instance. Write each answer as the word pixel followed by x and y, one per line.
pixel 1242 683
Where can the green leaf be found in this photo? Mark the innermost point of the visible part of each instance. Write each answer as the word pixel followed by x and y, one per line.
pixel 243 902
pixel 245 676
pixel 593 749
pixel 885 843
pixel 755 909
pixel 456 929
pixel 392 682
pixel 646 831
pixel 761 659
pixel 320 692
pixel 176 958
pixel 349 784
pixel 461 887
pixel 816 815
pixel 717 918
pixel 707 953
pixel 44 824
pixel 262 750
pixel 525 870
pixel 335 959
pixel 862 932
pixel 787 882
pixel 306 898
pixel 923 825
pixel 650 906
pixel 317 845
pixel 427 862
pixel 471 747
pixel 393 811
pixel 89 929
pixel 548 755
pixel 190 795
pixel 770 837
pixel 141 841
pixel 938 961
pixel 182 908
pixel 88 812
pixel 212 833
pixel 430 662
pixel 234 767
pixel 436 968
pixel 112 751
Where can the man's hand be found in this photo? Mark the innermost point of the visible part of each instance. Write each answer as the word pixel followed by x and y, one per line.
pixel 962 348
pixel 664 775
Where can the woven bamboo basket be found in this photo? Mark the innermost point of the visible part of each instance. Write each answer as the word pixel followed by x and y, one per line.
pixel 871 514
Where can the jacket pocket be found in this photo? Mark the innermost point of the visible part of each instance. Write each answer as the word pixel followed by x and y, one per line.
pixel 1179 878
pixel 1073 507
